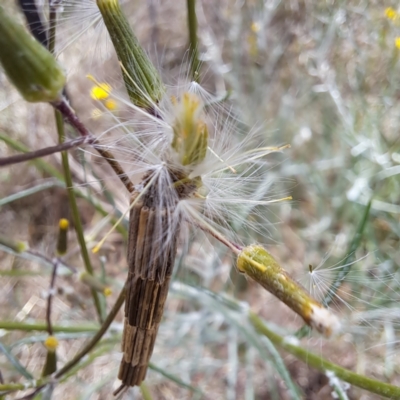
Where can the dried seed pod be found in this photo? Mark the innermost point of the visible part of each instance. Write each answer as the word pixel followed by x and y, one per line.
pixel 257 263
pixel 30 67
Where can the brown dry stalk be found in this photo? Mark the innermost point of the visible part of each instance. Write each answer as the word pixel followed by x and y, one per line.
pixel 151 255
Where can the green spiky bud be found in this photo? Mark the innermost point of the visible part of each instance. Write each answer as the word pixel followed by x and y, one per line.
pixel 30 67
pixel 190 139
pixel 141 78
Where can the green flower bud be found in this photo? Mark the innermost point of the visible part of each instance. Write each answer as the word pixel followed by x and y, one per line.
pixel 30 67
pixel 142 80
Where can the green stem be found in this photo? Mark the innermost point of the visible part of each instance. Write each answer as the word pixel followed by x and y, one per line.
pixel 175 379
pixel 193 43
pixel 321 364
pixel 103 329
pixel 42 326
pixel 145 392
pixel 75 212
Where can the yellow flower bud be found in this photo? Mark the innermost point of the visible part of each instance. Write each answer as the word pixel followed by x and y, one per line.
pixel 51 343
pixel 110 104
pixel 391 13
pixel 100 91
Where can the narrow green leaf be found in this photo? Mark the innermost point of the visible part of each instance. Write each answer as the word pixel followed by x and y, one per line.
pixel 16 364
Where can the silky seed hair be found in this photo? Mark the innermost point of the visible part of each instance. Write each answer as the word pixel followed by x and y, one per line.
pixel 232 177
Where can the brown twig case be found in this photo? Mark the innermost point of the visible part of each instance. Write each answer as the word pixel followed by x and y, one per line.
pixel 151 255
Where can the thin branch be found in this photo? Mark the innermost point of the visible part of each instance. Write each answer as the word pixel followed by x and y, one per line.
pixel 50 297
pixel 47 259
pixel 18 158
pixel 69 114
pixel 201 224
pixel 116 166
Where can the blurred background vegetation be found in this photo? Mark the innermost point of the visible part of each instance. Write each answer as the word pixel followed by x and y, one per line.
pixel 321 76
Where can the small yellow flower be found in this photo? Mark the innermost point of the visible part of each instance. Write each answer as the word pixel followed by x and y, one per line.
pixel 391 13
pixel 51 343
pixel 110 104
pixel 100 91
pixel 397 42
pixel 107 291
